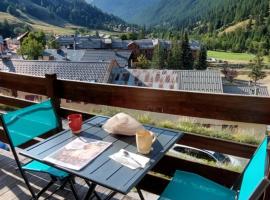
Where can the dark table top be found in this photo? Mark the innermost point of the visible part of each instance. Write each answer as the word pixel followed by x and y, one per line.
pixel 103 170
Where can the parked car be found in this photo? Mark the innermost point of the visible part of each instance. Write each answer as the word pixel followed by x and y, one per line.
pixel 210 156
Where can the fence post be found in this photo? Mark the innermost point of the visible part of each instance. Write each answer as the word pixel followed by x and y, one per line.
pixel 51 88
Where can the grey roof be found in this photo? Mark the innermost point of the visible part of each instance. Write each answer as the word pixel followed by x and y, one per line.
pixel 65 40
pixel 246 90
pixel 121 56
pixel 81 71
pixel 117 44
pixel 190 80
pixel 205 81
pixel 82 42
pixel 145 43
pixel 63 54
pixel 92 55
pixel 89 43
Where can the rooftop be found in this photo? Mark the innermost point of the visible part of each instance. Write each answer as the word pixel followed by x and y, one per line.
pixel 205 81
pixel 81 71
pixel 246 90
pixel 91 55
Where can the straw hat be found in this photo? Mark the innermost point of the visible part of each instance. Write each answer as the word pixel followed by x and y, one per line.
pixel 122 124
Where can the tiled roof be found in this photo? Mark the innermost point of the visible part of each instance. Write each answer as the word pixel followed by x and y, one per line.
pixel 117 44
pixel 81 71
pixel 121 56
pixel 91 55
pixel 69 54
pixel 203 81
pixel 246 90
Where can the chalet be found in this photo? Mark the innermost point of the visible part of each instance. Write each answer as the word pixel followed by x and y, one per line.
pixel 123 57
pixel 144 46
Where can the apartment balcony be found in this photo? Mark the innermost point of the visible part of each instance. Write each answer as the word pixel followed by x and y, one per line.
pixel 247 109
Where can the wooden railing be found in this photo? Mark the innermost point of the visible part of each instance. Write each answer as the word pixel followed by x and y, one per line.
pixel 248 109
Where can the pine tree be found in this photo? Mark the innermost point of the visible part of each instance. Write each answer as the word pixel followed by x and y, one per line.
pixel 201 63
pixel 174 60
pixel 186 54
pixel 158 60
pixel 256 72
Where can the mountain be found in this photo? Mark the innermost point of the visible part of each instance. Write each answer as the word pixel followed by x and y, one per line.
pixel 125 9
pixel 59 13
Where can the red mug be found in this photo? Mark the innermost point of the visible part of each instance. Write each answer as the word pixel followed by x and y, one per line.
pixel 75 123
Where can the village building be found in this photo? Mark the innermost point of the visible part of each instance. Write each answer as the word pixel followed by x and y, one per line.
pixel 123 57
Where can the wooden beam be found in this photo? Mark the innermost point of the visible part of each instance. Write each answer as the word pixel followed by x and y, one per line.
pixel 15 102
pixel 219 145
pixel 64 112
pixel 249 109
pixel 31 84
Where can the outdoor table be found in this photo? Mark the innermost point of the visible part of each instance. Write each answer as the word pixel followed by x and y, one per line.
pixel 103 170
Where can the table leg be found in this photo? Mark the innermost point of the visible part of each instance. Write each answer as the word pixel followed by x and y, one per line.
pixel 110 195
pixel 90 191
pixel 140 193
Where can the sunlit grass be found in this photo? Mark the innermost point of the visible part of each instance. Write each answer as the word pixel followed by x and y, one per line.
pixel 186 126
pixel 233 57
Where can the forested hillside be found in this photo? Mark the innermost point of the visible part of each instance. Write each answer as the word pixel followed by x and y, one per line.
pixel 208 20
pixel 59 12
pixel 252 36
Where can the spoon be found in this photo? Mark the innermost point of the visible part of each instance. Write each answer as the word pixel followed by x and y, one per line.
pixel 129 156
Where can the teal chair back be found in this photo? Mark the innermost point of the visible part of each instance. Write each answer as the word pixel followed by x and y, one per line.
pixel 25 124
pixel 254 178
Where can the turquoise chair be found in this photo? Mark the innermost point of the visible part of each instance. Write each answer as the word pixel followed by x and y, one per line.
pixel 253 182
pixel 22 126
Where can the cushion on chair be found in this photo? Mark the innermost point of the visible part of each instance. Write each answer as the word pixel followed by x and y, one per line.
pixel 189 186
pixel 43 168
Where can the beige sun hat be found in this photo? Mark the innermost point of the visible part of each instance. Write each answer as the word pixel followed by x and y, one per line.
pixel 122 124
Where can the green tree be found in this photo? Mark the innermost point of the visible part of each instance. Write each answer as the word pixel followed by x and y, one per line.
pixel 186 54
pixel 174 60
pixel 53 44
pixel 201 63
pixel 142 63
pixel 142 33
pixel 159 57
pixel 132 36
pixel 33 45
pixel 124 37
pixel 256 69
pixel 31 49
pixel 39 36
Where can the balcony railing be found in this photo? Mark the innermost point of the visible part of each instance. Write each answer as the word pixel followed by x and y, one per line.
pixel 250 109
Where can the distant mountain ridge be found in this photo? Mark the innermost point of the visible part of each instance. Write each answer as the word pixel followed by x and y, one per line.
pixel 127 10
